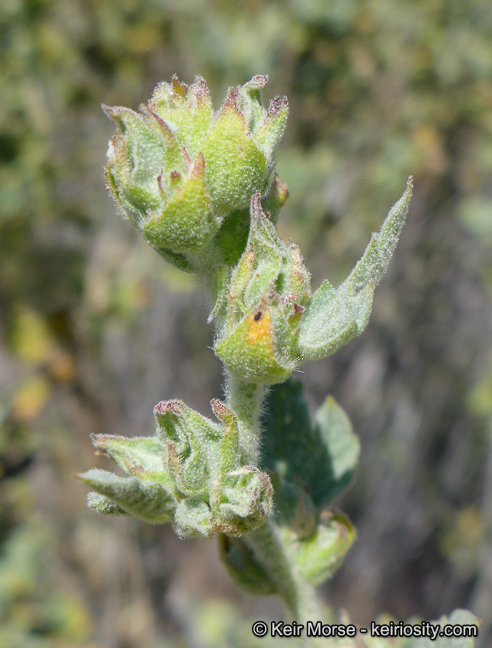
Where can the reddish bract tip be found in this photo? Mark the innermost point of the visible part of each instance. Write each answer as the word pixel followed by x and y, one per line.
pixel 98 440
pixel 298 309
pixel 277 104
pixel 162 122
pixel 113 112
pixel 199 88
pixel 107 109
pixel 222 412
pixel 180 89
pixel 173 406
pixel 258 82
pixel 188 162
pixel 198 166
pixel 231 99
pixel 256 208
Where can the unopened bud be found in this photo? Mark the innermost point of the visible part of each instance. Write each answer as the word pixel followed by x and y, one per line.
pixel 189 474
pixel 179 170
pixel 267 294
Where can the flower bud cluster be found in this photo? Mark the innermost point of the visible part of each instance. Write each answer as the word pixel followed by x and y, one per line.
pixel 179 170
pixel 189 474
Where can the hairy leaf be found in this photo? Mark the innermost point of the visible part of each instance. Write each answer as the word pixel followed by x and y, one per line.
pixel 319 458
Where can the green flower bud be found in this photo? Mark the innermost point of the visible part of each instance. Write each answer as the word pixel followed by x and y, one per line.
pixel 192 446
pixel 204 460
pixel 164 194
pixel 273 324
pixel 178 169
pixel 189 474
pixel 241 500
pixel 268 291
pixel 239 149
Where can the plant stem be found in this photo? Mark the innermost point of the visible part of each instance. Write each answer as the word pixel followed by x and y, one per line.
pixel 245 400
pixel 299 596
pixel 267 544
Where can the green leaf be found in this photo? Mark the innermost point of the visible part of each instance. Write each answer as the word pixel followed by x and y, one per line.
pixel 243 567
pixel 333 317
pixel 319 556
pixel 334 428
pixel 320 459
pixel 294 508
pixel 148 501
pixel 101 504
pixel 141 457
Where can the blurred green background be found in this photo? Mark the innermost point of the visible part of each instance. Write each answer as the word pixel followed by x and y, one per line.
pixel 95 328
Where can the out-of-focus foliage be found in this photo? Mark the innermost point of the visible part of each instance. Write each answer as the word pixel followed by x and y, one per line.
pixel 35 609
pixel 92 335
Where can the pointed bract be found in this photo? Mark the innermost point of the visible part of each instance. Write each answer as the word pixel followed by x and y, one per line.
pixel 333 317
pixel 149 501
pixel 138 456
pixel 103 505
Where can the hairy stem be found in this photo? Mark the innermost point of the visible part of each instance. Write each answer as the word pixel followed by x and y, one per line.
pixel 267 544
pixel 299 596
pixel 245 400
